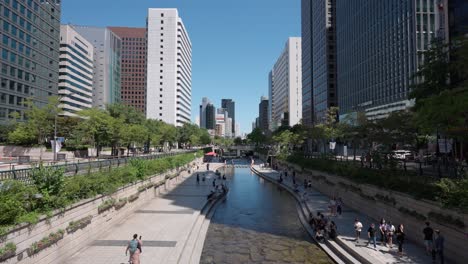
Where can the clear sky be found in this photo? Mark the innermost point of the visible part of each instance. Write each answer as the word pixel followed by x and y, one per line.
pixel 235 42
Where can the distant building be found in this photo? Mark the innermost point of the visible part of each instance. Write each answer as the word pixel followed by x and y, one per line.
pixel 29 54
pixel 133 76
pixel 75 72
pixel 286 86
pixel 263 114
pixel 107 64
pixel 205 102
pixel 169 67
pixel 210 117
pixel 230 106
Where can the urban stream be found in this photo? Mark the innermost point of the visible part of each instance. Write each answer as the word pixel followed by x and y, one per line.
pixel 258 223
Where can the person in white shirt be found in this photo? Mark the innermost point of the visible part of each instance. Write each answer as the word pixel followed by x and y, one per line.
pixel 390 232
pixel 358 228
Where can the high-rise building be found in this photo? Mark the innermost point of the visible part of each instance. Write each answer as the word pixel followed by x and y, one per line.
pixel 230 106
pixel 107 64
pixel 169 68
pixel 221 120
pixel 76 72
pixel 323 58
pixel 286 86
pixel 380 50
pixel 29 61
pixel 263 114
pixel 205 102
pixel 133 76
pixel 306 38
pixel 270 102
pixel 210 116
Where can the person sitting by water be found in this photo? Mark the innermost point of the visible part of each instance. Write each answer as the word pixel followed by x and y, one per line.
pixel 224 176
pixel 319 235
pixel 212 193
pixel 332 230
pixel 203 178
pixel 309 184
pixel 296 188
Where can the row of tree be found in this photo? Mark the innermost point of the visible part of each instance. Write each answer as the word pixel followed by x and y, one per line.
pixel 118 126
pixel 440 93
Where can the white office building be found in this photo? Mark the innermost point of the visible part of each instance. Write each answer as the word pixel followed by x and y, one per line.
pixel 169 68
pixel 107 64
pixel 75 72
pixel 285 86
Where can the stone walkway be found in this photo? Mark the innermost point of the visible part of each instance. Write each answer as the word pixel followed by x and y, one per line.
pixel 164 223
pixel 318 202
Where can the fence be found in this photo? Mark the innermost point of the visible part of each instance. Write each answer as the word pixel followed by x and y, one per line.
pixel 71 169
pixel 435 168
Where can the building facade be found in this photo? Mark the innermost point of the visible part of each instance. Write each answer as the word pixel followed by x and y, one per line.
pixel 323 52
pixel 107 64
pixel 286 86
pixel 263 114
pixel 376 61
pixel 306 38
pixel 133 67
pixel 230 106
pixel 29 57
pixel 204 104
pixel 210 116
pixel 75 72
pixel 169 68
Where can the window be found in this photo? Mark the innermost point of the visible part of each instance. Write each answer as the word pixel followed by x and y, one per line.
pixel 160 108
pixel 162 14
pixel 162 21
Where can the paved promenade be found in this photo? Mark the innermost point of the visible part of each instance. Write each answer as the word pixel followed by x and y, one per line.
pixel 164 223
pixel 382 255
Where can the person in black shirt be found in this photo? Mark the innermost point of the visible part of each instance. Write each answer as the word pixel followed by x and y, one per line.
pixel 371 235
pixel 428 237
pixel 400 237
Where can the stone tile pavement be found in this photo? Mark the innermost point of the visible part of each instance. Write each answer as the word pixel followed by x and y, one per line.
pixel 164 223
pixel 318 202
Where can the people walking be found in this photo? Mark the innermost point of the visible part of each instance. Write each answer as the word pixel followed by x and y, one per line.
pixel 333 230
pixel 371 236
pixel 428 238
pixel 400 238
pixel 134 247
pixel 357 228
pixel 198 178
pixel 332 207
pixel 439 246
pixel 214 182
pixel 339 206
pixel 383 231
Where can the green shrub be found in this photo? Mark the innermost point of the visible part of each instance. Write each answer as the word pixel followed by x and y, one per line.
pixel 446 219
pixel 412 213
pixel 7 251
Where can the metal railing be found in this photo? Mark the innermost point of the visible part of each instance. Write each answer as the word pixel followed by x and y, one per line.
pixel 435 168
pixel 72 169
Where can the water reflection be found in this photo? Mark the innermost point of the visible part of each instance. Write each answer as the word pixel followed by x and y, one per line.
pixel 258 223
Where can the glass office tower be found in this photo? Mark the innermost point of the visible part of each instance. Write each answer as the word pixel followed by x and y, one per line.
pixel 29 56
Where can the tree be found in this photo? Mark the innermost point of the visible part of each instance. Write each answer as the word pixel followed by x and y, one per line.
pixel 257 137
pixel 133 134
pixel 98 127
pixel 238 141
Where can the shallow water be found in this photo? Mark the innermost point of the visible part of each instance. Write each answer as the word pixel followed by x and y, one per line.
pixel 258 223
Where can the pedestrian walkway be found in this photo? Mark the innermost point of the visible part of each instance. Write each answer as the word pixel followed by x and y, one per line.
pixel 165 224
pixel 317 202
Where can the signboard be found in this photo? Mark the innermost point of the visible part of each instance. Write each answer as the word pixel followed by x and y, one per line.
pixel 345 151
pixel 332 145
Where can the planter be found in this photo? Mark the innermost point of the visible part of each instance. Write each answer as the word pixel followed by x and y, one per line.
pixel 46 242
pixel 133 197
pixel 107 205
pixel 446 219
pixel 79 224
pixel 145 187
pixel 121 203
pixel 7 252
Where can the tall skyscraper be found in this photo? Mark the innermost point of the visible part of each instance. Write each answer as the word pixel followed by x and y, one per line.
pixel 380 50
pixel 230 106
pixel 286 86
pixel 307 92
pixel 270 102
pixel 29 61
pixel 76 71
pixel 169 68
pixel 205 102
pixel 210 116
pixel 263 114
pixel 323 57
pixel 133 76
pixel 107 64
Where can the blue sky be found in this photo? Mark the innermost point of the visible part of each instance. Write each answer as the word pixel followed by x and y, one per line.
pixel 235 42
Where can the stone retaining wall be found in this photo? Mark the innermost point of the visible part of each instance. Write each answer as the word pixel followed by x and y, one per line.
pixel 24 236
pixel 395 207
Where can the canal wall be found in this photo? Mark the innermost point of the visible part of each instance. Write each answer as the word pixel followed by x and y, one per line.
pixel 91 221
pixel 396 207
